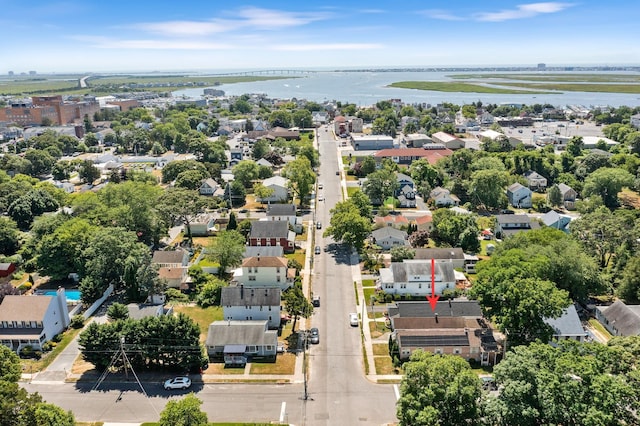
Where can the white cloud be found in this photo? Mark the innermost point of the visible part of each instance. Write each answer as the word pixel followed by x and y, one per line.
pixel 522 11
pixel 441 14
pixel 274 19
pixel 326 46
pixel 185 28
pixel 107 43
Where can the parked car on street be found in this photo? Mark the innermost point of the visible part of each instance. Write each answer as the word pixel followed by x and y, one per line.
pixel 180 382
pixel 314 336
pixel 353 319
pixel 317 250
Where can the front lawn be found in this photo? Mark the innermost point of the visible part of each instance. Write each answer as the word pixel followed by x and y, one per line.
pixel 298 256
pixel 285 364
pixel 380 349
pixel 202 316
pixel 33 366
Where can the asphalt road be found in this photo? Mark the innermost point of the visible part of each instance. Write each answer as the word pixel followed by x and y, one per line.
pixel 339 391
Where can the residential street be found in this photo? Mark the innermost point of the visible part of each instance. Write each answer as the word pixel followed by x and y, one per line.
pixel 337 391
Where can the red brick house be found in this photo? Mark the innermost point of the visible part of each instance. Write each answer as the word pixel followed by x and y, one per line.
pixel 271 234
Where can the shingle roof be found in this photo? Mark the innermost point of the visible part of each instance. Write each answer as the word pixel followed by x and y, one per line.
pixel 264 251
pixel 265 261
pixel 240 296
pixel 24 308
pixel 281 210
pixel 240 333
pixel 453 308
pixel 568 324
pixel 432 155
pixel 439 253
pixel 403 270
pixel 388 231
pixel 622 317
pixel 269 229
pixel 168 256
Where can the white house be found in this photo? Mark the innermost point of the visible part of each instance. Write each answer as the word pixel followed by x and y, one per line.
pixel 287 213
pixel 568 326
pixel 536 180
pixel 32 320
pixel 634 120
pixel 208 187
pixel 280 188
pixel 449 141
pixel 248 304
pixel 519 196
pixel 236 341
pixel 170 258
pixel 388 237
pixel 202 225
pixel 442 197
pixel 263 271
pixel 413 277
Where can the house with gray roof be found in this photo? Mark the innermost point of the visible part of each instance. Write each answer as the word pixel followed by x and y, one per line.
pixel 509 224
pixel 454 328
pixel 272 233
pixel 271 251
pixel 569 196
pixel 388 237
pixel 142 310
pixel 287 213
pixel 619 318
pixel 413 277
pixel 170 258
pixel 519 196
pixel 237 341
pixel 535 180
pixel 568 326
pixel 249 304
pixel 553 219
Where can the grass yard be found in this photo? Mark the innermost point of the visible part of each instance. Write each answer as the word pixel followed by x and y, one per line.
pixel 89 423
pixel 219 368
pixel 202 316
pixel 368 283
pixel 368 292
pixel 33 366
pixel 380 349
pixel 203 241
pixel 352 190
pixel 297 256
pixel 378 328
pixel 285 364
pixel 629 198
pixel 596 324
pixel 384 365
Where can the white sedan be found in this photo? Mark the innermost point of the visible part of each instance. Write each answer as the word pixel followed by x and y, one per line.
pixel 177 383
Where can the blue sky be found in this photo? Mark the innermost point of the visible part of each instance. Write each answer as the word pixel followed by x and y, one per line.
pixel 136 35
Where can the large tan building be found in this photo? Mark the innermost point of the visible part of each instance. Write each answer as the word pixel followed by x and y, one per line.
pixel 49 108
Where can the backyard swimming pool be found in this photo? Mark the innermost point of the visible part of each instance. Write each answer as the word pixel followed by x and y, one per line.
pixel 73 295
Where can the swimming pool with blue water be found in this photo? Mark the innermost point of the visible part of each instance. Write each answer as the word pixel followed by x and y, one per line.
pixel 73 295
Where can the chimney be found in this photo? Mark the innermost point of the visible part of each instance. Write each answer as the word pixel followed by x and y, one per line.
pixel 241 291
pixel 436 317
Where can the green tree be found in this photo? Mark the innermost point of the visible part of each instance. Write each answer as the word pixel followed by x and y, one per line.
pixel 280 118
pixel 629 289
pixel 348 225
pixel 180 204
pixel 61 252
pixel 88 172
pixel 438 390
pixel 171 171
pixel 449 226
pixel 117 311
pixel 487 188
pixel 301 177
pixel 302 118
pixel 380 185
pixel 262 192
pixel 296 304
pixel 227 250
pixel 607 183
pixel 399 253
pixel 10 370
pixel 245 172
pixel 571 384
pixel 183 412
pixel 554 196
pixel 362 202
pixel 233 222
pixel 210 293
pixel 190 179
pixel 41 162
pixel 52 415
pixel 260 149
pixel 9 236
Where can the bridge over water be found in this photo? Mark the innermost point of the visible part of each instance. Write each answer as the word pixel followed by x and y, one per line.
pixel 265 72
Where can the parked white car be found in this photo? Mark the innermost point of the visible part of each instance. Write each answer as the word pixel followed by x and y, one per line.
pixel 178 383
pixel 353 319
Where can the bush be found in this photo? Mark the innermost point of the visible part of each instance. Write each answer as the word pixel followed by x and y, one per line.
pixel 77 321
pixel 17 275
pixel 57 338
pixel 28 352
pixel 175 295
pixel 25 287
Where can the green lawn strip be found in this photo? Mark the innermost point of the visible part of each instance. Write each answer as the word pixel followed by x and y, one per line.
pixel 202 316
pixel 210 424
pixel 297 256
pixel 33 366
pixel 384 365
pixel 596 324
pixel 568 87
pixel 380 349
pixel 368 283
pixel 89 423
pixel 593 78
pixel 368 292
pixel 285 364
pixel 352 190
pixel 446 86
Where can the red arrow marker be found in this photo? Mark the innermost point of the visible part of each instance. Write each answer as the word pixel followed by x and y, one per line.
pixel 433 299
